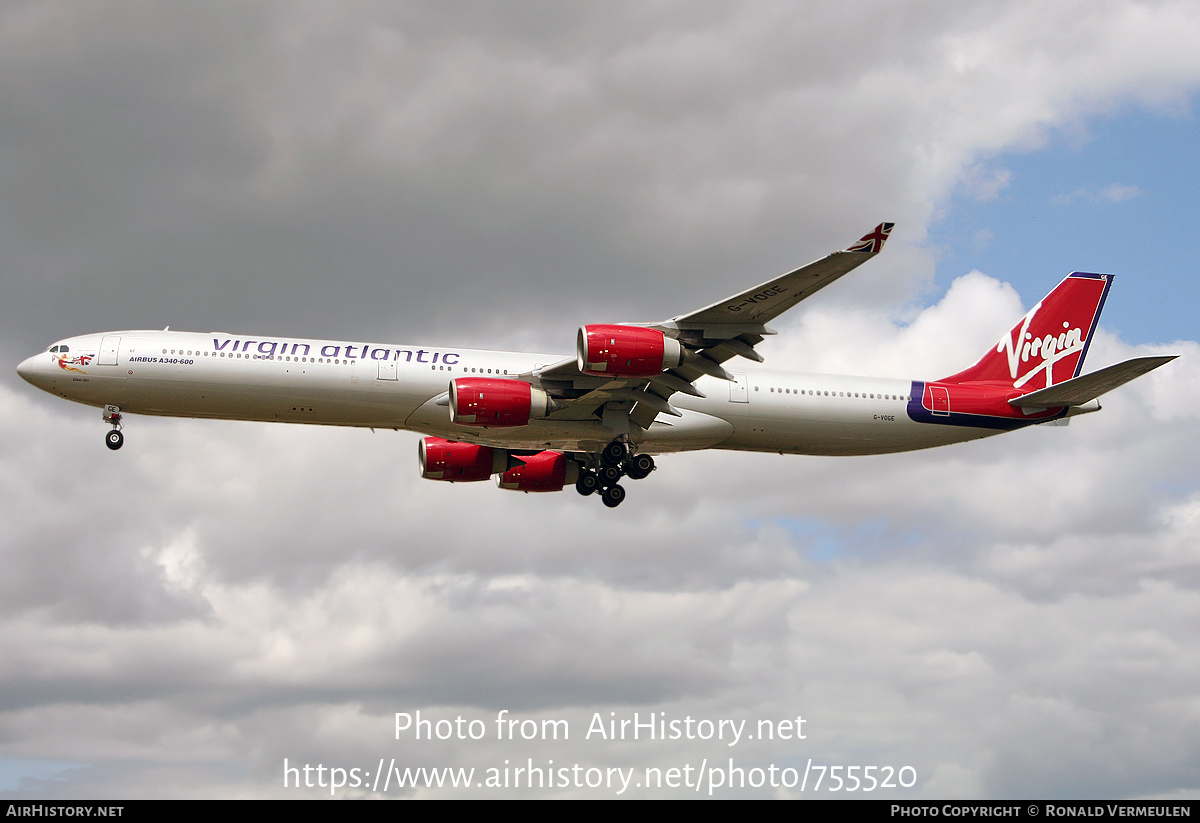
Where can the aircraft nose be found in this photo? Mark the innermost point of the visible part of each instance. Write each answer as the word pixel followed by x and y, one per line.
pixel 33 370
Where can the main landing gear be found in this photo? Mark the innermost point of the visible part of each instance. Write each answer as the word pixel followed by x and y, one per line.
pixel 114 439
pixel 616 461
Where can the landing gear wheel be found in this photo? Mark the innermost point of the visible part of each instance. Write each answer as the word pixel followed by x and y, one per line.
pixel 613 496
pixel 609 475
pixel 639 466
pixel 114 440
pixel 614 453
pixel 587 483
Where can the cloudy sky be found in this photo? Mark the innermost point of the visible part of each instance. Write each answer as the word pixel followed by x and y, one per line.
pixel 1010 618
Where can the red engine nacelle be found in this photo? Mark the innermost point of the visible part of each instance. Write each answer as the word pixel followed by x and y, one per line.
pixel 459 462
pixel 626 351
pixel 484 402
pixel 542 472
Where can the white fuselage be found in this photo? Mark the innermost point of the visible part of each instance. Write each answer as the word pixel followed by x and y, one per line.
pixel 288 380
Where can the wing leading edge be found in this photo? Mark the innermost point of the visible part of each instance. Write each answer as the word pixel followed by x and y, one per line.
pixel 771 299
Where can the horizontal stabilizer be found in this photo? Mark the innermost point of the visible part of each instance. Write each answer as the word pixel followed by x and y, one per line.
pixel 1079 390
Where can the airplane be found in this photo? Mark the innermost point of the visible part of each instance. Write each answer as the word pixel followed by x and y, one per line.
pixel 542 422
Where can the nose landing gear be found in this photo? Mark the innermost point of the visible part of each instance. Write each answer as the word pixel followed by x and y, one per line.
pixel 114 439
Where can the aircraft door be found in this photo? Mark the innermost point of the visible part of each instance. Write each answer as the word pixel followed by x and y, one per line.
pixel 739 390
pixel 940 396
pixel 109 347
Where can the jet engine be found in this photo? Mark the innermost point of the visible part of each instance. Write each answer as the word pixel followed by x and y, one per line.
pixel 459 462
pixel 488 402
pixel 542 472
pixel 626 351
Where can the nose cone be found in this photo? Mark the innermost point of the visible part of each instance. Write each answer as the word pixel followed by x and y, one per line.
pixel 37 370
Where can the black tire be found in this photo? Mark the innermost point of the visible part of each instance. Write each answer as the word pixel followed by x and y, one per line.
pixel 640 466
pixel 114 440
pixel 613 496
pixel 587 483
pixel 614 453
pixel 610 475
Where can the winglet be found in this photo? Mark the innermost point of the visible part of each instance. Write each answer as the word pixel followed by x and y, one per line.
pixel 873 243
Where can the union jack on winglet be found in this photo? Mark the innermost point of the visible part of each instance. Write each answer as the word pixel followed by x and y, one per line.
pixel 873 243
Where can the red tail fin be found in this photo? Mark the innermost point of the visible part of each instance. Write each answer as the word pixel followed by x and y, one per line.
pixel 1049 344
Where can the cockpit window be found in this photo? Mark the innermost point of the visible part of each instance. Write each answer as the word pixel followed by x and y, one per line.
pixel 63 349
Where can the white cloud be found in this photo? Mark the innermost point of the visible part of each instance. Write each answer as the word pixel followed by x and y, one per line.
pixel 1112 193
pixel 983 184
pixel 334 588
pixel 1117 193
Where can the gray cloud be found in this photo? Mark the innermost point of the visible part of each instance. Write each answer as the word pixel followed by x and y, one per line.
pixel 1012 617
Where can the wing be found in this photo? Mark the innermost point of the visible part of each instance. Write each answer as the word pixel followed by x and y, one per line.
pixel 708 337
pixel 766 302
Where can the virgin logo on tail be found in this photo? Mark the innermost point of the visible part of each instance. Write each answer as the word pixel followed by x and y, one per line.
pixel 1055 333
pixel 1046 350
